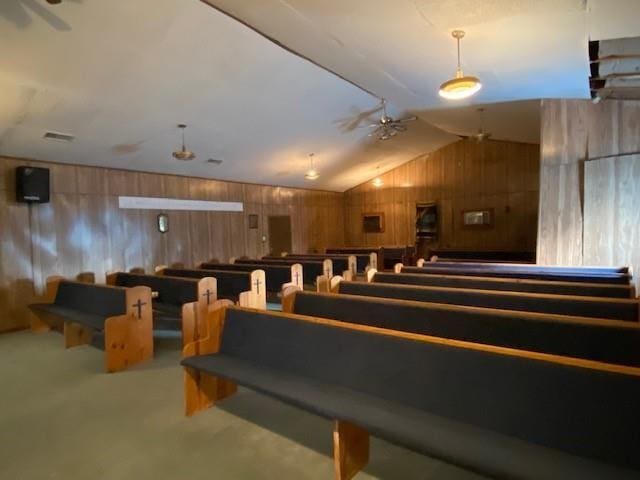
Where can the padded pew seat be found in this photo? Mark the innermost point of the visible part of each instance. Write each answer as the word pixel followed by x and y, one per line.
pixel 275 275
pixel 91 320
pixel 533 274
pixel 230 284
pixel 498 413
pixel 173 292
pixel 596 307
pixel 601 340
pixel 311 269
pixel 507 284
pixel 86 304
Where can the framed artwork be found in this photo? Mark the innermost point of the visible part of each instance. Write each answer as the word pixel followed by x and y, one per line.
pixel 253 221
pixel 477 218
pixel 373 222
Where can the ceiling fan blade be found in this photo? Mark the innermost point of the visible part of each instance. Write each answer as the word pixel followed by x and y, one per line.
pixel 399 128
pixel 408 119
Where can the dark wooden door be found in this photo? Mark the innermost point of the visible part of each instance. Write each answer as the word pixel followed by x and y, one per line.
pixel 279 234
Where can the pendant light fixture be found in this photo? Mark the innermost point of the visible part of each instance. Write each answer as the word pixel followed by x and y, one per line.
pixel 481 136
pixel 461 86
pixel 377 182
pixel 312 173
pixel 183 154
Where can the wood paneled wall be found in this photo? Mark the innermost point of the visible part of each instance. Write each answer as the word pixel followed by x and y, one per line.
pixel 589 205
pixel 465 175
pixel 82 228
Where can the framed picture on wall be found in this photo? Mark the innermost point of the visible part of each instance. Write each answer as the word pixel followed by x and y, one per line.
pixel 477 218
pixel 373 222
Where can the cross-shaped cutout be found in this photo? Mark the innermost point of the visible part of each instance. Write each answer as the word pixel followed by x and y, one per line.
pixel 327 272
pixel 139 304
pixel 296 275
pixel 257 283
pixel 208 294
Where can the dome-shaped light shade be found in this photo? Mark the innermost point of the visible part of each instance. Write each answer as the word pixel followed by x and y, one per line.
pixel 312 174
pixel 460 87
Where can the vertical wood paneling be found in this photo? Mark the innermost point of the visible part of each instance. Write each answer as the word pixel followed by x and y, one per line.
pixel 465 175
pixel 583 219
pixel 82 228
pixel 612 216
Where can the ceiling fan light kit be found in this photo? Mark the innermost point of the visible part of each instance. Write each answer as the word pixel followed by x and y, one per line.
pixel 388 126
pixel 461 86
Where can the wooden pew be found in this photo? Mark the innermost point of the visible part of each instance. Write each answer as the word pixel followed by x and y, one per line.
pixel 119 320
pixel 386 256
pixel 276 275
pixel 245 288
pixel 506 284
pixel 451 255
pixel 598 307
pixel 311 269
pixel 525 267
pixel 170 295
pixel 341 264
pixel 363 260
pixel 500 412
pixel 610 341
pixel 532 273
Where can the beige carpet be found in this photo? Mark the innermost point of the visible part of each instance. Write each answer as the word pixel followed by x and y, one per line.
pixel 61 417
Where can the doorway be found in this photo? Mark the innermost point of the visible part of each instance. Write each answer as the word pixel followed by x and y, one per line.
pixel 279 234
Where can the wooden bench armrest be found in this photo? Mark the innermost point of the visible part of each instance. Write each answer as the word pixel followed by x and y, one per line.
pixel 289 297
pixel 197 321
pixel 201 390
pixel 371 272
pixel 37 322
pixel 128 338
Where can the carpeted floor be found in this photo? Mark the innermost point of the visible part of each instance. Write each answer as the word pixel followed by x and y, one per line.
pixel 61 417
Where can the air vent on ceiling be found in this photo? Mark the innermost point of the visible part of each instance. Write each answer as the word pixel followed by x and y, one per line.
pixel 215 161
pixel 62 137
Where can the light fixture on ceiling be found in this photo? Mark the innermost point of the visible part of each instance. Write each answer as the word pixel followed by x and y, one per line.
pixel 183 154
pixel 388 127
pixel 461 86
pixel 377 182
pixel 481 136
pixel 312 173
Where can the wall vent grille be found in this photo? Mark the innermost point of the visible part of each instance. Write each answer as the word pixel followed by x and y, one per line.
pixel 61 137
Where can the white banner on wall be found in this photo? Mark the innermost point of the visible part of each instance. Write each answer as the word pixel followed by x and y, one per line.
pixel 155 203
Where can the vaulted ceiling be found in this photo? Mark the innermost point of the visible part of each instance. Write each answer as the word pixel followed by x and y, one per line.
pixel 120 75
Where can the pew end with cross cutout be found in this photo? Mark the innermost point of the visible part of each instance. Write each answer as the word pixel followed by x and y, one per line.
pixel 202 391
pixel 256 297
pixel 119 319
pixel 44 322
pixel 170 295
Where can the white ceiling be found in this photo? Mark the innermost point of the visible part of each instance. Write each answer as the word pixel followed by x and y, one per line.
pixel 120 74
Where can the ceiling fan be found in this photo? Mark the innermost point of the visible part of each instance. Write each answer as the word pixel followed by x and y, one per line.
pixel 387 126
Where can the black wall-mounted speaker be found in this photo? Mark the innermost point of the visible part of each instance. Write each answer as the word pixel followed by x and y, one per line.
pixel 32 185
